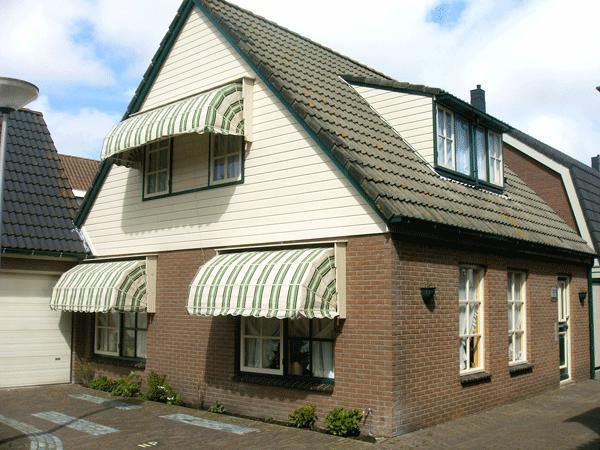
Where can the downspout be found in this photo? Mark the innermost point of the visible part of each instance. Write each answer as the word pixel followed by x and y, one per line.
pixel 591 326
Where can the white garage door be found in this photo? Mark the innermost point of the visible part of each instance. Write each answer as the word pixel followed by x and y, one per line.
pixel 34 341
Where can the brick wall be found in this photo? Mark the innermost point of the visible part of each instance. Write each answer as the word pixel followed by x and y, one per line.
pixel 427 387
pixel 545 182
pixel 393 353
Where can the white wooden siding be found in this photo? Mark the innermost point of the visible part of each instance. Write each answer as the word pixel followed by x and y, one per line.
pixel 291 191
pixel 190 162
pixel 410 115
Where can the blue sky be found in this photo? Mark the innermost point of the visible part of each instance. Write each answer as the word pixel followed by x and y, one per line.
pixel 537 59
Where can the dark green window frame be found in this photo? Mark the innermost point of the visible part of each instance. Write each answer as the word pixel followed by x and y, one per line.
pixel 472 177
pixel 210 185
pixel 121 329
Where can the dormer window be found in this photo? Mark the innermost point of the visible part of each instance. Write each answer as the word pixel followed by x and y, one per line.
pixel 467 151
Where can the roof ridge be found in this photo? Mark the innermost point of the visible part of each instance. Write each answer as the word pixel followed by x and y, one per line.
pixel 304 38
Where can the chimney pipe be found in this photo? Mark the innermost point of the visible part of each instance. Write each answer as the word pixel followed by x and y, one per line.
pixel 596 162
pixel 478 98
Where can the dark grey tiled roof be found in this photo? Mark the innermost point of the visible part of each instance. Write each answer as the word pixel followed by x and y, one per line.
pixel 39 206
pixel 307 77
pixel 585 179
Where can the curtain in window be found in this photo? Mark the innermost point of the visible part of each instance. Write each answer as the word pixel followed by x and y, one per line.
pixel 480 153
pixel 463 149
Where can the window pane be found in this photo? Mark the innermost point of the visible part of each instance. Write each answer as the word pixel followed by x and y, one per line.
pixel 102 319
pixel 142 320
pixel 270 353
pixel 518 317
pixel 252 326
pixel 511 347
pixel 473 283
pixel 129 343
pixel 474 319
pixel 113 319
pixel 233 166
pixel 152 162
pixel 440 123
pixel 299 357
pixel 129 320
pixel 218 146
pixel 440 151
pixel 101 339
pixel 162 182
pixel 299 327
pixel 270 327
pixel 480 153
pixel 449 127
pixel 322 359
pixel 163 159
pixel 463 354
pixel 518 284
pixel 140 350
pixel 219 169
pixel 113 341
pixel 462 285
pixel 251 352
pixel 474 360
pixel 323 329
pixel 151 184
pixel 518 346
pixel 510 317
pixel 463 150
pixel 462 319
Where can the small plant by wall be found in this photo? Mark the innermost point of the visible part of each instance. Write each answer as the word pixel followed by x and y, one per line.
pixel 343 422
pixel 159 390
pixel 304 416
pixel 217 408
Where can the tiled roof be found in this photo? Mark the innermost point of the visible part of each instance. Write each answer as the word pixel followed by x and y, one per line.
pixel 308 78
pixel 38 203
pixel 79 171
pixel 585 179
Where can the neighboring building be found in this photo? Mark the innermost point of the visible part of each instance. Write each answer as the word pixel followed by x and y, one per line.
pixel 572 189
pixel 367 231
pixel 80 173
pixel 39 243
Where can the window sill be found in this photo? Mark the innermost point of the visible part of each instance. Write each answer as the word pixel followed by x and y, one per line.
pixel 135 363
pixel 300 383
pixel 467 179
pixel 520 369
pixel 470 379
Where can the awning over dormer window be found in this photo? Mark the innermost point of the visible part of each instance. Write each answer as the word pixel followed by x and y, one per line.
pixel 219 111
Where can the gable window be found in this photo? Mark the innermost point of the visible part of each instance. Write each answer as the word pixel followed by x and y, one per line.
pixel 468 150
pixel 121 334
pixel 225 159
pixel 156 178
pixel 470 300
pixel 516 317
pixel 300 347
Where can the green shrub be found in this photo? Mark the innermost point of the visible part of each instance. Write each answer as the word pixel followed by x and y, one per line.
pixel 102 384
pixel 267 419
pixel 217 408
pixel 343 422
pixel 303 417
pixel 161 391
pixel 128 386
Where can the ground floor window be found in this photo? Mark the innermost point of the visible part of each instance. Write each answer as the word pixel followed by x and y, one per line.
pixel 299 347
pixel 470 300
pixel 516 317
pixel 121 334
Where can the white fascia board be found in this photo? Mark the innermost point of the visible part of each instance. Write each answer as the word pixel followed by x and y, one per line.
pixel 565 174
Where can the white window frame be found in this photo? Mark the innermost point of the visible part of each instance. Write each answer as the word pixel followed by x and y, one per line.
pixel 495 163
pixel 512 305
pixel 229 152
pixel 479 274
pixel 97 327
pixel 156 148
pixel 445 138
pixel 243 335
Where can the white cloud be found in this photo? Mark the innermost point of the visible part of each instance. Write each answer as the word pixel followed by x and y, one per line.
pixel 40 43
pixel 80 133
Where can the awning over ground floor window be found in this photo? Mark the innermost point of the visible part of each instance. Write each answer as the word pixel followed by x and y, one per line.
pixel 218 111
pixel 281 284
pixel 102 287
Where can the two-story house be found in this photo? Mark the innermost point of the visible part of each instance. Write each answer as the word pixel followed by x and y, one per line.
pixel 274 224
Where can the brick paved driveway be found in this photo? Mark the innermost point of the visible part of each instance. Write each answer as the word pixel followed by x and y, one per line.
pixel 134 428
pixel 567 418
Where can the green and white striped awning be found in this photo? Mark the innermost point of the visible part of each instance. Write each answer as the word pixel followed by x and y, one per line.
pixel 281 284
pixel 102 287
pixel 218 111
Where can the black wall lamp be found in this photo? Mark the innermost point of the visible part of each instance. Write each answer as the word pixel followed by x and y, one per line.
pixel 428 294
pixel 582 296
